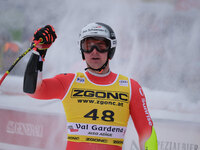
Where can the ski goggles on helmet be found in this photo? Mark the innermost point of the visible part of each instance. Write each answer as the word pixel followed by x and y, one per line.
pixel 101 44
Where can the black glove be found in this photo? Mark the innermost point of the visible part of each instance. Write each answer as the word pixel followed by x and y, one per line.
pixel 47 36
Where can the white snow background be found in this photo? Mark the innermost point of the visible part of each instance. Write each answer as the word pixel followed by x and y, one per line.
pixel 158 45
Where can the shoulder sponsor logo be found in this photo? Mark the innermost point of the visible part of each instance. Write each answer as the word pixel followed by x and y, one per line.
pixel 123 82
pixel 80 80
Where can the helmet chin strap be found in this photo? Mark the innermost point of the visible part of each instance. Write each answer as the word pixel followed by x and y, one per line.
pixel 99 69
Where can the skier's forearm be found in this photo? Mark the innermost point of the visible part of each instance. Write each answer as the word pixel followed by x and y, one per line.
pixel 31 73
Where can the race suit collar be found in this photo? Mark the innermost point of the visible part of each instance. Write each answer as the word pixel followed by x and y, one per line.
pixel 104 79
pixel 98 74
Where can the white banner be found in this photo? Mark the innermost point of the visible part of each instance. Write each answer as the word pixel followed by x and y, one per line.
pixel 96 130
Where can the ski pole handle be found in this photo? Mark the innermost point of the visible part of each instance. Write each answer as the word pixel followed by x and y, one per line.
pixel 18 59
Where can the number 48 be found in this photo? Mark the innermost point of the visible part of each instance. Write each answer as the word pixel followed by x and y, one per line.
pixel 107 115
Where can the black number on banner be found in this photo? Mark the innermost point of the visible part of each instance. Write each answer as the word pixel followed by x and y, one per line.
pixel 107 115
pixel 92 114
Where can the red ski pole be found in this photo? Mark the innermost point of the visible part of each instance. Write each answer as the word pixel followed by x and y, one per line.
pixel 18 59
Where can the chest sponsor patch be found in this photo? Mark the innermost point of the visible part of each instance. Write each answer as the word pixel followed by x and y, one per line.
pixel 96 130
pixel 96 94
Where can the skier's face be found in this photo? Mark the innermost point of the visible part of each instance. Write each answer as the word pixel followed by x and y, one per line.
pixel 95 58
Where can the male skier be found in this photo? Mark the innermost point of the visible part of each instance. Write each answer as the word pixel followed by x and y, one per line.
pixel 97 102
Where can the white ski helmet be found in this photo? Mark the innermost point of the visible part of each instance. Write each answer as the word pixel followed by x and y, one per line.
pixel 99 30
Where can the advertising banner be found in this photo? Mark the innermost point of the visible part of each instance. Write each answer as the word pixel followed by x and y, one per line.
pixel 34 130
